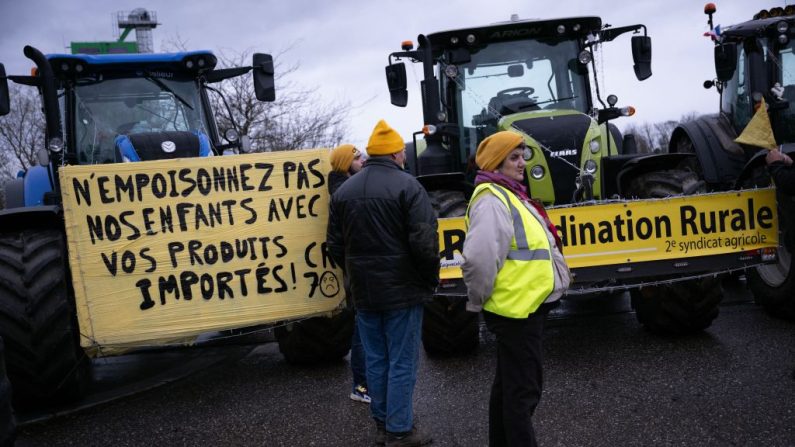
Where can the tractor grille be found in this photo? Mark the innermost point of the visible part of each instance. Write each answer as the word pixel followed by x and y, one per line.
pixel 562 135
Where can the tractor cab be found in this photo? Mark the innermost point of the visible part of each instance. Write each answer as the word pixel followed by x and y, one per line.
pixel 755 60
pixel 527 76
pixel 116 108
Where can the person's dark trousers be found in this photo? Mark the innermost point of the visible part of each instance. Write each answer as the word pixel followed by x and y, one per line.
pixel 517 383
pixel 357 358
pixel 391 342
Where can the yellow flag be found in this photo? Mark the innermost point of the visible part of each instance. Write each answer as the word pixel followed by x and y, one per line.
pixel 758 132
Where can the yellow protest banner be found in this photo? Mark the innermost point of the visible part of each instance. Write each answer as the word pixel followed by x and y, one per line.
pixel 165 250
pixel 647 230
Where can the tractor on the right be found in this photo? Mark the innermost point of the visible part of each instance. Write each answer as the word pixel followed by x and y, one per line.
pixel 754 66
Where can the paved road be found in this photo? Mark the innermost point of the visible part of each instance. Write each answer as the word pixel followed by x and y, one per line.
pixel 608 383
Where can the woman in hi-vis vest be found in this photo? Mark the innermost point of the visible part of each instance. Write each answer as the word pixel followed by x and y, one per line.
pixel 513 269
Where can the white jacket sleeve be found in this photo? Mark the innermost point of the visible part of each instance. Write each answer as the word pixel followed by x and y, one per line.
pixel 486 247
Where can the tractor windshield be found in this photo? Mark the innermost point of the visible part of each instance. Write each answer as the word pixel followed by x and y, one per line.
pixel 518 76
pixel 111 107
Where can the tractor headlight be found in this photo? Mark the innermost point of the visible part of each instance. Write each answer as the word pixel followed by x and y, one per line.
pixel 231 135
pixel 585 57
pixel 527 153
pixel 782 27
pixel 537 172
pixel 590 166
pixel 594 146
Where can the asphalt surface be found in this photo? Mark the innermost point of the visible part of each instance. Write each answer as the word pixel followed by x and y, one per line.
pixel 608 382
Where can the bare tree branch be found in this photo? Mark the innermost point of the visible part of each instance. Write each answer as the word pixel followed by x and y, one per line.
pixel 21 132
pixel 297 119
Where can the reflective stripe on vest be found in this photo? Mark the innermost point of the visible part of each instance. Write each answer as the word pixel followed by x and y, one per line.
pixel 522 252
pixel 526 277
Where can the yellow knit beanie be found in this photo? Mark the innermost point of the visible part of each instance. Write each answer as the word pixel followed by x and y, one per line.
pixel 342 156
pixel 384 140
pixel 494 149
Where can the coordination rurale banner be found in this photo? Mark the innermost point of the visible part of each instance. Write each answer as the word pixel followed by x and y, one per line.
pixel 161 251
pixel 647 230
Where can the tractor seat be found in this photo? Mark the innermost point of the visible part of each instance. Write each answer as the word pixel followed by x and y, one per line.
pixel 162 145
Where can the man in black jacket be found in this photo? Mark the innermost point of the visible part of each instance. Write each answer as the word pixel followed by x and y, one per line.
pixel 383 231
pixel 346 160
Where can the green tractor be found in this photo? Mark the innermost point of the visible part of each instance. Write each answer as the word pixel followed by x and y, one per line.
pixel 533 77
pixel 754 60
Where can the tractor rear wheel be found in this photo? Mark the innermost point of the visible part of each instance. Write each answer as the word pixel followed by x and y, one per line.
pixel 773 285
pixel 685 306
pixel 447 328
pixel 317 339
pixel 7 422
pixel 38 320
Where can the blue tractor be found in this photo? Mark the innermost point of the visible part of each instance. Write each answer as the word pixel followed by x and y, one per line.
pixel 98 109
pixel 754 60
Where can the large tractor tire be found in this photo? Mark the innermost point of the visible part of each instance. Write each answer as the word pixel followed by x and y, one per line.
pixel 680 308
pixel 316 340
pixel 773 285
pixel 686 306
pixel 447 328
pixel 38 321
pixel 7 421
pixel 447 203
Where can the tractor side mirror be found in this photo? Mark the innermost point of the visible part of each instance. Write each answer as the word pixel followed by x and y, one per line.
pixel 725 61
pixel 396 81
pixel 264 84
pixel 5 105
pixel 641 55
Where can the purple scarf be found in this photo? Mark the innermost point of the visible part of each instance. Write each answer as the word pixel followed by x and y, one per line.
pixel 503 180
pixel 520 190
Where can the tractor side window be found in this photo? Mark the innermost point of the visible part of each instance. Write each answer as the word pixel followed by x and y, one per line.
pixel 735 99
pixel 786 72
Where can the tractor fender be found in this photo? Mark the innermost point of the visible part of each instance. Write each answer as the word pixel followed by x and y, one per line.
pixel 711 138
pixel 38 217
pixel 647 163
pixel 37 184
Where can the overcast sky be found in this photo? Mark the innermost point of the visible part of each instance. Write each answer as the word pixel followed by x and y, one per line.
pixel 342 45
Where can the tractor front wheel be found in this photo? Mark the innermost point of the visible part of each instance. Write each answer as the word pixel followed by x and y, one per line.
pixel 686 306
pixel 7 421
pixel 680 308
pixel 447 328
pixel 38 320
pixel 317 339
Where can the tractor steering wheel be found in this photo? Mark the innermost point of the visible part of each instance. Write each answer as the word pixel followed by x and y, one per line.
pixel 516 91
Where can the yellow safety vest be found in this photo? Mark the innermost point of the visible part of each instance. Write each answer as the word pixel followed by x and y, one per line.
pixel 526 278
